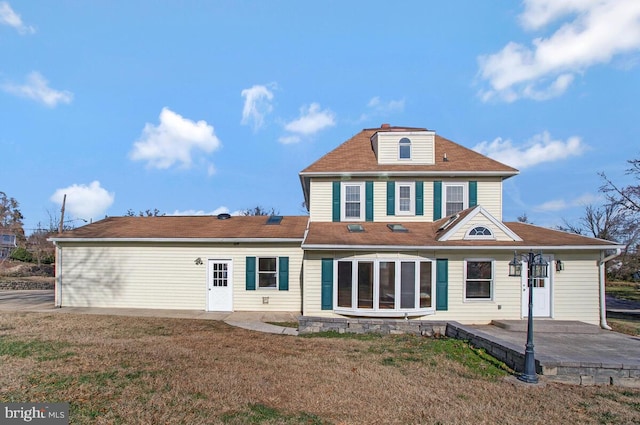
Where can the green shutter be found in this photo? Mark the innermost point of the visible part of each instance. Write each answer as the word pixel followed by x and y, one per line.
pixel 473 194
pixel 420 198
pixel 368 190
pixel 327 284
pixel 391 198
pixel 437 200
pixel 336 201
pixel 442 285
pixel 250 274
pixel 283 273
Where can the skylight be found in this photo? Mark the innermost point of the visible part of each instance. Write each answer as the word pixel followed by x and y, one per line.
pixel 274 219
pixel 449 221
pixel 355 228
pixel 397 228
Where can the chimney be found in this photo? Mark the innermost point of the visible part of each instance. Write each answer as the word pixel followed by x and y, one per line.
pixel 385 126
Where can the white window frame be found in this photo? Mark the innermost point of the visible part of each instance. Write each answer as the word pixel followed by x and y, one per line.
pixel 412 200
pixel 343 201
pixel 407 144
pixel 465 196
pixel 468 235
pixel 376 310
pixel 258 272
pixel 491 281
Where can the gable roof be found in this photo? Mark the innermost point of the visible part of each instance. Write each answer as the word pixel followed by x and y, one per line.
pixel 356 155
pixel 457 222
pixel 189 228
pixel 425 235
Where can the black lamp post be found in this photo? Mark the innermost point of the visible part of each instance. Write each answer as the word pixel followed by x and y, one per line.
pixel 537 269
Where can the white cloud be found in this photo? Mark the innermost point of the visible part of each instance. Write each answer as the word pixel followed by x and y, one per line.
pixel 219 210
pixel 377 107
pixel 563 204
pixel 312 120
pixel 12 19
pixel 257 104
pixel 85 202
pixel 540 148
pixel 593 33
pixel 173 141
pixel 37 88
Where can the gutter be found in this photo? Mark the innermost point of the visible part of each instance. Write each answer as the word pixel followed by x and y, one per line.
pixel 603 300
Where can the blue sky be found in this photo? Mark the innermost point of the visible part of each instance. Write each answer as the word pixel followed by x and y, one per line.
pixel 200 107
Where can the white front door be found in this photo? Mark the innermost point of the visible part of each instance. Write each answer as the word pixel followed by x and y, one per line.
pixel 219 285
pixel 541 293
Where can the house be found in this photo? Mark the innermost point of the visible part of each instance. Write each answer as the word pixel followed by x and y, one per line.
pixel 7 244
pixel 402 223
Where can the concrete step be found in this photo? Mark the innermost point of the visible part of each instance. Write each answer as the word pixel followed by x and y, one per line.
pixel 548 326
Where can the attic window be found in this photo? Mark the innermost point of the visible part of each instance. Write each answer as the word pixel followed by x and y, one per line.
pixel 397 228
pixel 404 148
pixel 274 219
pixel 479 232
pixel 355 228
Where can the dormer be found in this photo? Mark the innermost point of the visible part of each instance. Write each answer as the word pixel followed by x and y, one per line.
pixel 404 147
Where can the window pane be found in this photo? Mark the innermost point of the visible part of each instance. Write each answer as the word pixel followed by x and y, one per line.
pixel 404 198
pixel 352 193
pixel 479 289
pixel 267 264
pixel 345 285
pixel 455 194
pixel 267 280
pixel 352 210
pixel 387 285
pixel 479 270
pixel 407 285
pixel 425 284
pixel 365 285
pixel 405 148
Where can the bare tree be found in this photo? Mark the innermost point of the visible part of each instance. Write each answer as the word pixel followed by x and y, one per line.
pixel 147 213
pixel 259 210
pixel 11 218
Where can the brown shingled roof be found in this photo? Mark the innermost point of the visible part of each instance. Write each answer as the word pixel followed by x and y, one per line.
pixel 357 155
pixel 424 234
pixel 190 227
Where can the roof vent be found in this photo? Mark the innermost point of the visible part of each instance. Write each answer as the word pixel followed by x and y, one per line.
pixel 355 228
pixel 385 125
pixel 224 216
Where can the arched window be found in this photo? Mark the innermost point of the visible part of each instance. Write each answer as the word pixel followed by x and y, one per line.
pixel 479 232
pixel 404 148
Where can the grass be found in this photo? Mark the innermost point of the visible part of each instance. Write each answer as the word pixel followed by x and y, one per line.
pixel 123 370
pixel 624 290
pixel 629 326
pixel 285 324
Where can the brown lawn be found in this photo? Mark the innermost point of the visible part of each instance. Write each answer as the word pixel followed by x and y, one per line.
pixel 167 371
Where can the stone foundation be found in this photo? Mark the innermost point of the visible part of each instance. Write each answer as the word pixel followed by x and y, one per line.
pixel 20 285
pixel 360 325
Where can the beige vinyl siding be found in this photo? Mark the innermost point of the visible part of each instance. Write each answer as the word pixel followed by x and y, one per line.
pixel 480 220
pixel 490 196
pixel 321 191
pixel 166 275
pixel 575 290
pixel 422 147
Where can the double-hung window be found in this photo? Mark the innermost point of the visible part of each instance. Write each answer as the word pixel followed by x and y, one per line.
pixel 384 287
pixel 455 198
pixel 404 148
pixel 478 279
pixel 353 201
pixel 405 198
pixel 267 272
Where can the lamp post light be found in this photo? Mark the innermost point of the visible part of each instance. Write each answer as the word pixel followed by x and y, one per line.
pixel 537 268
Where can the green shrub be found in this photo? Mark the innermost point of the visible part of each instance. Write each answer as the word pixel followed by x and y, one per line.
pixel 21 254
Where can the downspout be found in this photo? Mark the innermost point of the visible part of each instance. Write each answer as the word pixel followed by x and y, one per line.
pixel 58 277
pixel 603 299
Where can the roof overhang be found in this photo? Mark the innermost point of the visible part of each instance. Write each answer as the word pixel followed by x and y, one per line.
pixel 177 240
pixel 512 247
pixel 381 174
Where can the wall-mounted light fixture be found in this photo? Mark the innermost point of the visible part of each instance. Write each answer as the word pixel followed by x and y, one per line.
pixel 559 266
pixel 198 261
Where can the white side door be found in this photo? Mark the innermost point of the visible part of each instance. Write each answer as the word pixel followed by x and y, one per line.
pixel 219 285
pixel 541 292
